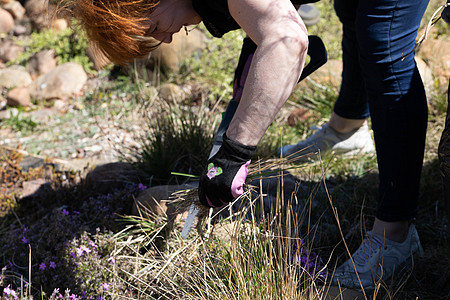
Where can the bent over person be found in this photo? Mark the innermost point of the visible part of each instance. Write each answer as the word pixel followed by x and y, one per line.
pixel 125 30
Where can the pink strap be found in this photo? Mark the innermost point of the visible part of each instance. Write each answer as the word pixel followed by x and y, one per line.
pixel 238 87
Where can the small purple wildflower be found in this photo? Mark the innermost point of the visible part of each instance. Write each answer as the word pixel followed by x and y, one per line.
pixel 92 244
pixel 24 240
pixel 105 286
pixel 142 187
pixel 42 266
pixel 111 260
pixel 65 212
pixel 73 296
pixel 52 264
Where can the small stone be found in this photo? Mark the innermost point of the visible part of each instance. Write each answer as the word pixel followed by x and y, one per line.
pixel 18 97
pixel 6 21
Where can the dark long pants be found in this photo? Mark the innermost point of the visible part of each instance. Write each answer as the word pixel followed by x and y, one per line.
pixel 380 78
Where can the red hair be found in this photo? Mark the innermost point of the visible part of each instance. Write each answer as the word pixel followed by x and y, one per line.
pixel 116 27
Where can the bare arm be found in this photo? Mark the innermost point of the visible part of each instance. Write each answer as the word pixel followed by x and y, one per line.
pixel 279 32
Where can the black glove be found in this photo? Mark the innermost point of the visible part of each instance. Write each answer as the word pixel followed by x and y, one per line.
pixel 223 179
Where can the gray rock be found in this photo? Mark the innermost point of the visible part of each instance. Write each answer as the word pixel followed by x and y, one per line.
pixel 15 9
pixel 62 82
pixel 171 55
pixel 9 50
pixel 42 62
pixel 6 21
pixel 171 93
pixel 14 77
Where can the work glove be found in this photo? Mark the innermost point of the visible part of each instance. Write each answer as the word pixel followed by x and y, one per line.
pixel 224 177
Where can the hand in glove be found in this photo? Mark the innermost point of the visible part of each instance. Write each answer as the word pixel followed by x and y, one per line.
pixel 223 179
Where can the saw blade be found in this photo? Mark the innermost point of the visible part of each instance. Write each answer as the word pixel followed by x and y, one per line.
pixel 193 211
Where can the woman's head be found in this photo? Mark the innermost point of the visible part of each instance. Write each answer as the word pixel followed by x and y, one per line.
pixel 127 29
pixel 116 25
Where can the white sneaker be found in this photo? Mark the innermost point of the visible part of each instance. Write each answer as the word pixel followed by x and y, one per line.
pixel 327 139
pixel 377 259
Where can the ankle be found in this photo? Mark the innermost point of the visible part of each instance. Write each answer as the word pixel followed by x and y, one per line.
pixel 344 125
pixel 394 231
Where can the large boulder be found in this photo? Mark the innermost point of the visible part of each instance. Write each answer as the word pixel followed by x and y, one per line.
pixel 14 77
pixel 171 55
pixel 62 82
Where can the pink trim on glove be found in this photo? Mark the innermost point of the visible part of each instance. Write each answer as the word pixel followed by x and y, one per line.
pixel 212 205
pixel 237 186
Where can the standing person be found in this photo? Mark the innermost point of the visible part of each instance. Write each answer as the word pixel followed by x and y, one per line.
pixel 380 75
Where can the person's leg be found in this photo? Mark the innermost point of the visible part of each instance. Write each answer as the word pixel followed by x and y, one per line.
pixel 346 131
pixel 351 108
pixel 386 32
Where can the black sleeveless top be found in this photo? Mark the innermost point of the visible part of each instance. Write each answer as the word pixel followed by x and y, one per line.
pixel 217 18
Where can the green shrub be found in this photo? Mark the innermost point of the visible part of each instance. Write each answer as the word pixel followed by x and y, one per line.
pixel 175 140
pixel 69 46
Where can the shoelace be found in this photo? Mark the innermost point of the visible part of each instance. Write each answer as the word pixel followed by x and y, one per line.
pixel 370 245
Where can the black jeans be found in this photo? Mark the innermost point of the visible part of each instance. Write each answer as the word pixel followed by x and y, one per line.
pixel 380 76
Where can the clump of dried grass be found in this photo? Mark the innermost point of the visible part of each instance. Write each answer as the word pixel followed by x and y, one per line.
pixel 243 256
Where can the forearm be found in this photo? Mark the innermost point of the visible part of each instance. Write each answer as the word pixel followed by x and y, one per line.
pixel 274 72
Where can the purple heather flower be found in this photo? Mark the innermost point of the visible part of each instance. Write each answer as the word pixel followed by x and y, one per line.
pixel 42 266
pixel 9 292
pixel 73 296
pixel 52 264
pixel 92 244
pixel 24 240
pixel 85 249
pixel 142 187
pixel 105 286
pixel 79 251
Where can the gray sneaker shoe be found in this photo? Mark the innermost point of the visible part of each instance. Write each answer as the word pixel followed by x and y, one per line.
pixel 377 259
pixel 327 139
pixel 309 13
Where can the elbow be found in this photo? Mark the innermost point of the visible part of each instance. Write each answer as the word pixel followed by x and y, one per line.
pixel 297 44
